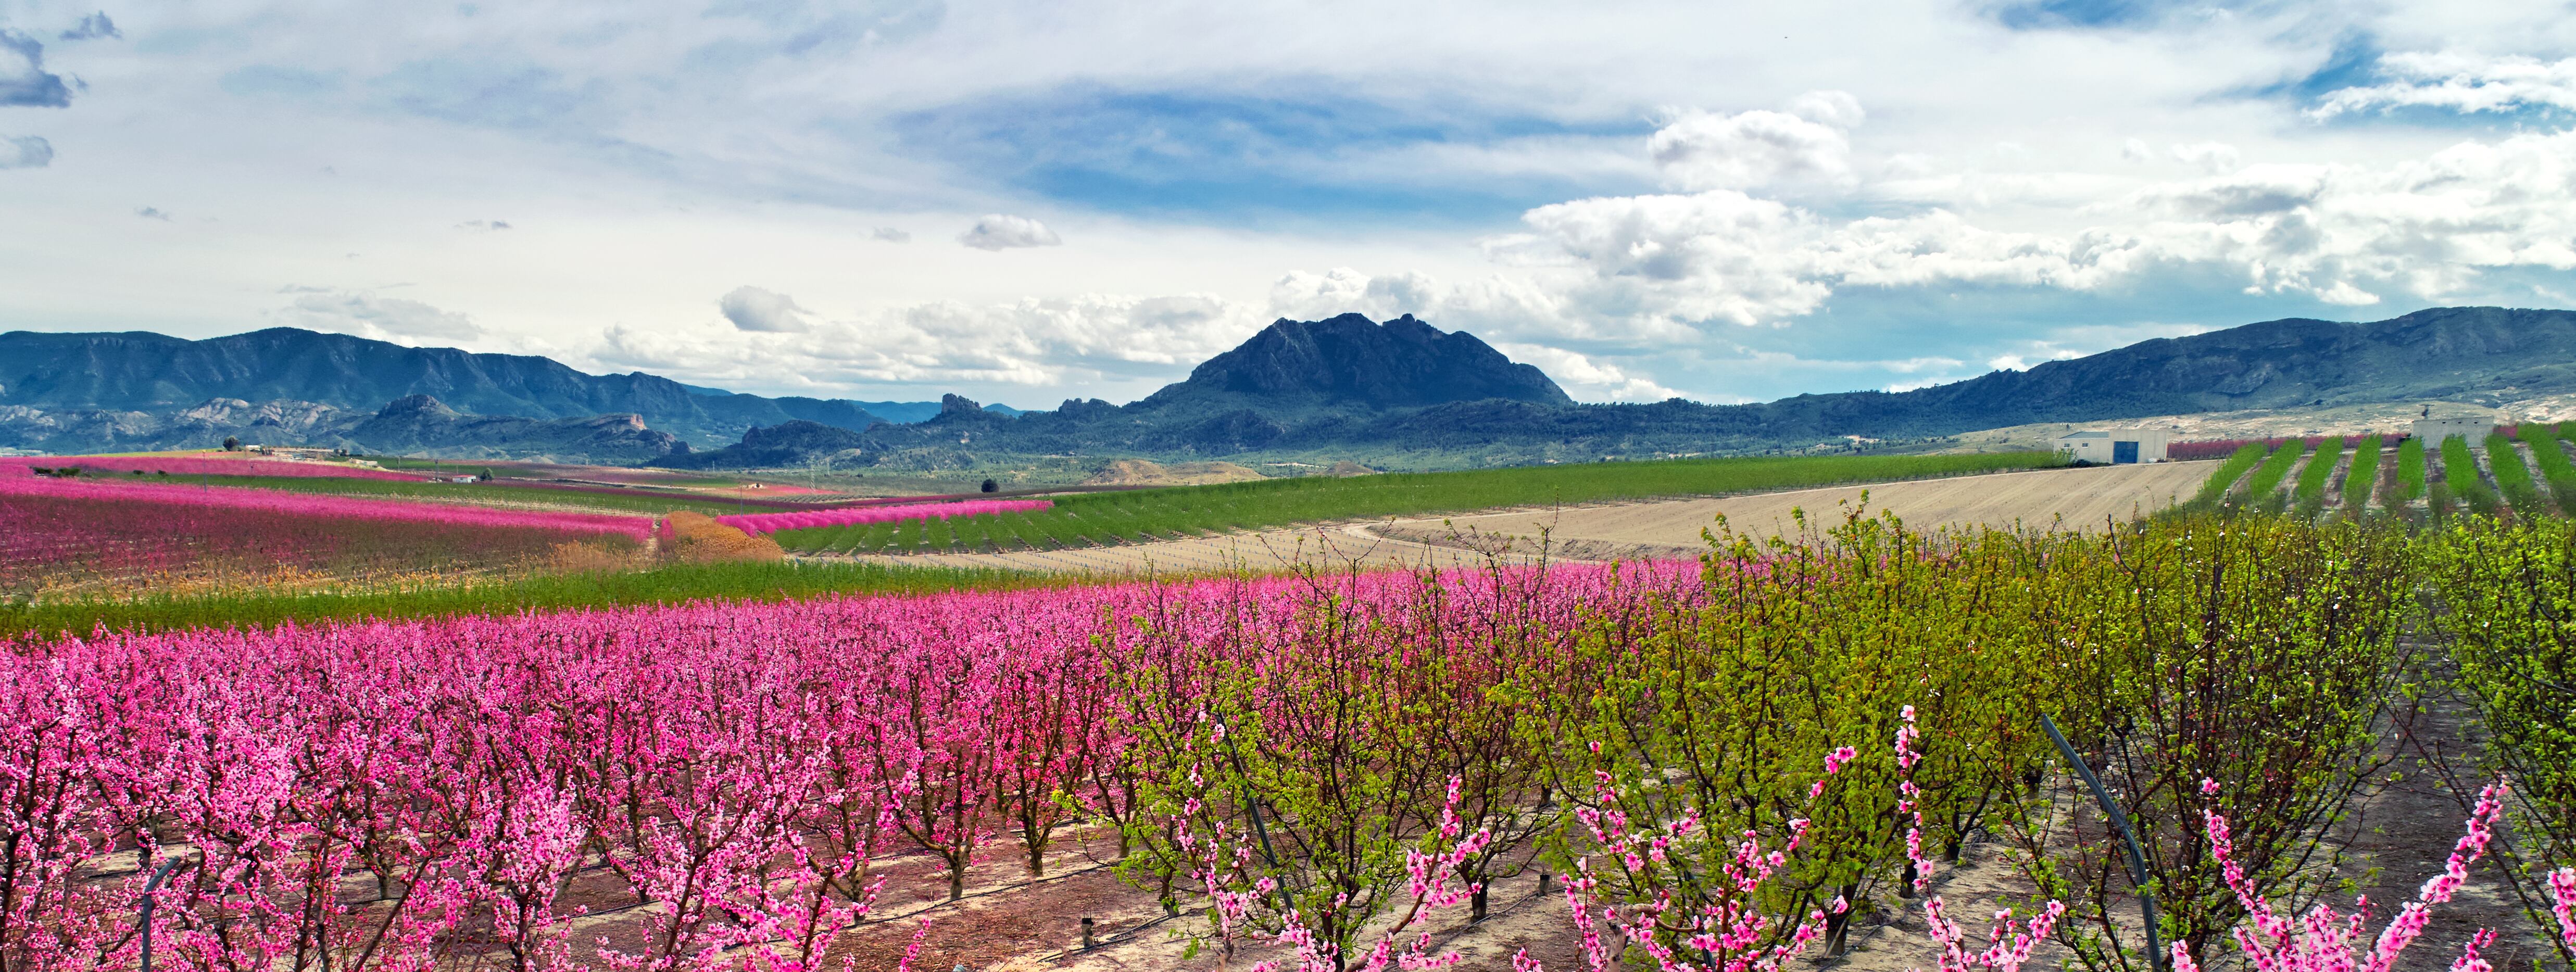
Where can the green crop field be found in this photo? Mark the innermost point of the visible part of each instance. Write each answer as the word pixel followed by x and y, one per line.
pixel 2410 474
pixel 2547 453
pixel 2261 487
pixel 2215 488
pixel 2364 474
pixel 668 584
pixel 2512 477
pixel 498 492
pixel 2460 474
pixel 1162 514
pixel 2311 489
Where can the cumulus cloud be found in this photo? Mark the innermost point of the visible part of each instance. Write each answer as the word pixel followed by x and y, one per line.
pixel 152 212
pixel 1038 342
pixel 890 234
pixel 484 225
pixel 23 79
pixel 1585 378
pixel 2459 82
pixel 93 27
pixel 370 315
pixel 999 232
pixel 753 309
pixel 2209 156
pixel 2340 234
pixel 25 152
pixel 1500 306
pixel 1805 143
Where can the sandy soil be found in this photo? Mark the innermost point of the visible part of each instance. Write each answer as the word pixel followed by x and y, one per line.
pixel 2059 498
pixel 1139 472
pixel 2063 498
pixel 1332 547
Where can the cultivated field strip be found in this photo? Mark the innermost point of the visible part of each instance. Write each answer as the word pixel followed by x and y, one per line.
pixel 1326 547
pixel 2074 499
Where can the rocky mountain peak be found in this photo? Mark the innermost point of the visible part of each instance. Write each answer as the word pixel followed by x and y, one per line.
pixel 1351 360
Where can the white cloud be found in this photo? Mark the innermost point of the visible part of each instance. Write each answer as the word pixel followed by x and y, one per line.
pixel 1807 143
pixel 1585 378
pixel 2213 157
pixel 25 152
pixel 2460 82
pixel 1033 342
pixel 890 234
pixel 2338 234
pixel 753 309
pixel 368 315
pixel 999 232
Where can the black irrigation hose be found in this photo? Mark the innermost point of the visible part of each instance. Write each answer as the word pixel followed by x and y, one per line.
pixel 2128 839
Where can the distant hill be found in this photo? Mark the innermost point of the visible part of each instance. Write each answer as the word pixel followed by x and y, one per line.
pixel 897 412
pixel 1401 395
pixel 1350 362
pixel 155 373
pixel 420 424
pixel 1332 389
pixel 413 425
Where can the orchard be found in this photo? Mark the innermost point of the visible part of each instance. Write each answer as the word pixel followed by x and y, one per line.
pixel 1721 764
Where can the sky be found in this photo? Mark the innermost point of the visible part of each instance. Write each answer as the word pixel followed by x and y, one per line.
pixel 1027 202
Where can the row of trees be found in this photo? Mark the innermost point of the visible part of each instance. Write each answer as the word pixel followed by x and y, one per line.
pixel 1701 752
pixel 2261 655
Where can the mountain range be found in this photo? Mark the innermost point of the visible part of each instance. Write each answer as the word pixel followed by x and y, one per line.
pixel 1400 394
pixel 141 390
pixel 1369 402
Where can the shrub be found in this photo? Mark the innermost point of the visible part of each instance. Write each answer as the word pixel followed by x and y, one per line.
pixel 696 538
pixel 2362 477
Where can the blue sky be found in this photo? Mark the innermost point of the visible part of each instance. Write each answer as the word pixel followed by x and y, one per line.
pixel 1026 202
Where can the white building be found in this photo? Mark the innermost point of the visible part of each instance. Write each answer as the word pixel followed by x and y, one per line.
pixel 2108 446
pixel 2433 430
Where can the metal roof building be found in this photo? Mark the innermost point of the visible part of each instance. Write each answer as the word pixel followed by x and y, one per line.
pixel 2115 446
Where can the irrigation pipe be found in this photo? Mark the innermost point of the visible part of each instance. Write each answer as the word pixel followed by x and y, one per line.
pixel 2128 841
pixel 144 917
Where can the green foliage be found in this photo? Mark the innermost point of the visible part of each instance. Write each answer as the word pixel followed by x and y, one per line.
pixel 2552 459
pixel 2410 474
pixel 500 492
pixel 2513 479
pixel 2460 474
pixel 2311 490
pixel 2245 458
pixel 2364 474
pixel 1725 711
pixel 2510 594
pixel 1151 514
pixel 2258 653
pixel 2266 481
pixel 668 584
